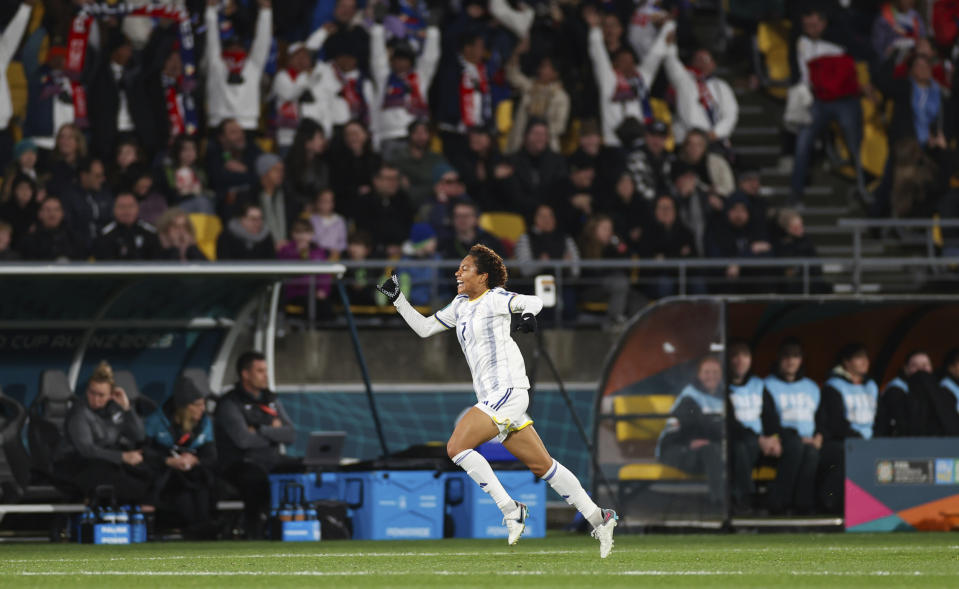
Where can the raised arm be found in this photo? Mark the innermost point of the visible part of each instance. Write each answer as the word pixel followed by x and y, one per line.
pixel 13 34
pixel 524 304
pixel 729 113
pixel 652 60
pixel 379 61
pixel 430 58
pixel 260 51
pixel 602 66
pixel 213 49
pixel 423 326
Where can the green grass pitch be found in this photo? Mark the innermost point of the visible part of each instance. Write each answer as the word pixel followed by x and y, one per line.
pixel 561 560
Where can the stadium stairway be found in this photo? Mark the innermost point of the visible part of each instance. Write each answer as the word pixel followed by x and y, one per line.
pixel 758 142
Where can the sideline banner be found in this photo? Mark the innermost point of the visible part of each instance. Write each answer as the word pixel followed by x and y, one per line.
pixel 897 484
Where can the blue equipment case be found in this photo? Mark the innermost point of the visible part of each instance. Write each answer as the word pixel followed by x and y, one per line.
pixel 395 505
pixel 475 515
pixel 316 486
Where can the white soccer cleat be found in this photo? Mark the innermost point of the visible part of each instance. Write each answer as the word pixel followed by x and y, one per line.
pixel 515 526
pixel 604 532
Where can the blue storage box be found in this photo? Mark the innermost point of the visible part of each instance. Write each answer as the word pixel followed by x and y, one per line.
pixel 475 515
pixel 395 505
pixel 316 486
pixel 308 531
pixel 111 534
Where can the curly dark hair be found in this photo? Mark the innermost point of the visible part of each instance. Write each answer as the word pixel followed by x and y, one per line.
pixel 488 262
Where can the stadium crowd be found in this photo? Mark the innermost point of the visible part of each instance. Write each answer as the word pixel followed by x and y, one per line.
pixel 338 129
pixel 789 421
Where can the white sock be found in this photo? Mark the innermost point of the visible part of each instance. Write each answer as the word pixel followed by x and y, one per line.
pixel 480 471
pixel 567 485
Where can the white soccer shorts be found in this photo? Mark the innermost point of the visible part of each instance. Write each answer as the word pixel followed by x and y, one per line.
pixel 508 411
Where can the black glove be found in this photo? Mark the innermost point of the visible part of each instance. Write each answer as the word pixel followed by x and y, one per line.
pixel 390 288
pixel 527 323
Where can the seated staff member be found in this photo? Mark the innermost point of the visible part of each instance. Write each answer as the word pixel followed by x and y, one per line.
pixel 893 417
pixel 790 401
pixel 182 453
pixel 744 422
pixel 847 410
pixel 250 424
pixel 692 438
pixel 101 441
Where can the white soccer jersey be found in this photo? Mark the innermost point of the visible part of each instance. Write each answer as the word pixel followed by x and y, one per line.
pixel 483 330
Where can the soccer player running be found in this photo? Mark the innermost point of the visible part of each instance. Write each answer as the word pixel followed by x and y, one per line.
pixel 480 315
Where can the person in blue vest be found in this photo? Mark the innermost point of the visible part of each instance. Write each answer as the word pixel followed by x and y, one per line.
pixel 693 436
pixel 744 425
pixel 893 415
pixel 790 401
pixel 182 452
pixel 950 377
pixel 847 410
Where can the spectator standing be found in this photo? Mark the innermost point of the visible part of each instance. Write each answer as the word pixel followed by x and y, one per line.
pixel 630 213
pixel 127 238
pixel 794 243
pixel 402 81
pixel 897 29
pixel 329 227
pixel 342 92
pixel 542 97
pixel 847 410
pixel 703 100
pixel 693 203
pixel 830 73
pixel 102 440
pixel 177 237
pixel 448 188
pixel 744 423
pixel 250 424
pixel 790 403
pixel 51 238
pixel 54 99
pixel 291 89
pixel 181 452
pixel 623 85
pixel 246 237
pixel 355 162
pixel 113 87
pixel 64 163
pixel 545 242
pixel 711 168
pixel 233 77
pixel 576 197
pixel 485 171
pixel 464 95
pixel 9 41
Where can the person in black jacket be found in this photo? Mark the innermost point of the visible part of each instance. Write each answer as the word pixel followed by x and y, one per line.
pixel 101 442
pixel 734 237
pixel 246 237
pixel 112 90
pixel 847 410
pixel 893 413
pixel 692 440
pixel 536 169
pixel 464 218
pixel 231 165
pixel 51 239
pixel 386 211
pixel 250 424
pixel 794 243
pixel 127 238
pixel 666 237
pixel 181 452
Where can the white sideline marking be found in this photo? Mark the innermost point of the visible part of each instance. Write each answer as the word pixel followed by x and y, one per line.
pixel 473 554
pixel 652 573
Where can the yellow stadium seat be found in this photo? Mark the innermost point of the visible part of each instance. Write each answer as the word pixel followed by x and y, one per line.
pixel 875 143
pixel 772 40
pixel 265 144
pixel 653 471
pixel 508 227
pixel 646 428
pixel 662 113
pixel 764 473
pixel 504 122
pixel 17 80
pixel 570 140
pixel 207 229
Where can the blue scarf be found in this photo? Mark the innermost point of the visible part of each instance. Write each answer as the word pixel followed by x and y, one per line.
pixel 925 109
